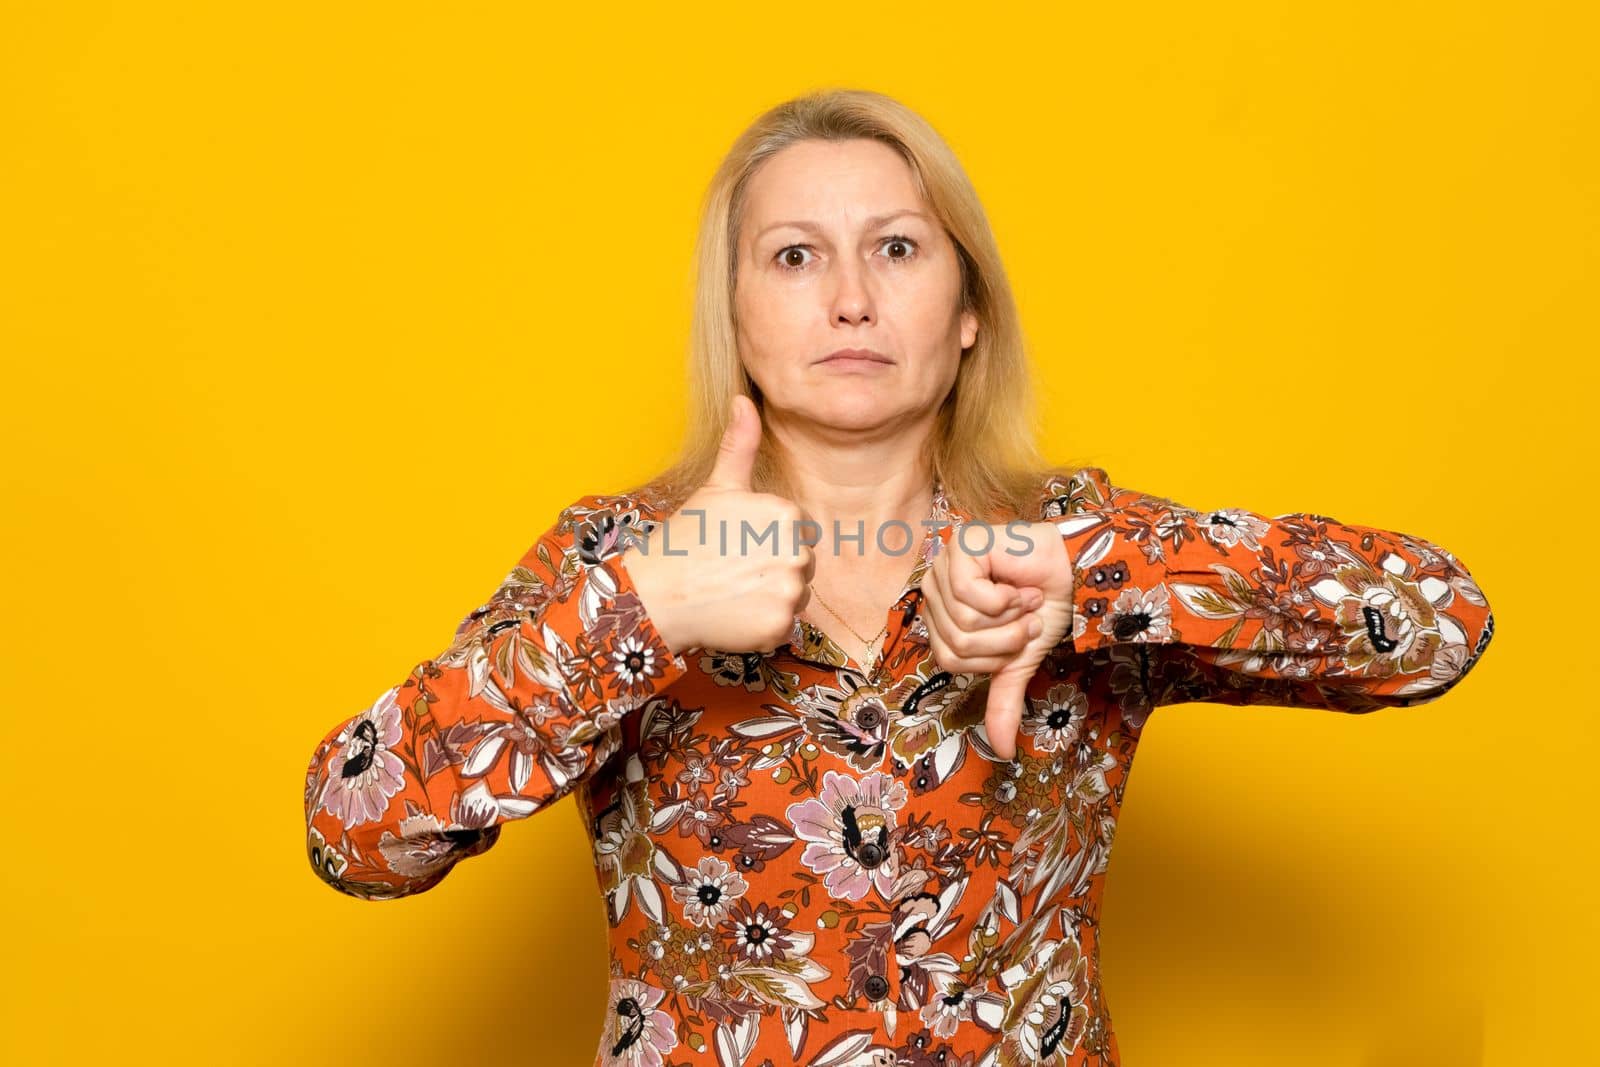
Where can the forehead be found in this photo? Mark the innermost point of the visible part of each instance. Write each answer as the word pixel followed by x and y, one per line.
pixel 832 183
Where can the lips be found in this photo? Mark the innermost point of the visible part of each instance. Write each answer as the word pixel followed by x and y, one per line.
pixel 868 354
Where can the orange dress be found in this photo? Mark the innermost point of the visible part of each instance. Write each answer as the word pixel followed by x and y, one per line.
pixel 805 862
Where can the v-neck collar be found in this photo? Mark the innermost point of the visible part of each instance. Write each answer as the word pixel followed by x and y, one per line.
pixel 813 645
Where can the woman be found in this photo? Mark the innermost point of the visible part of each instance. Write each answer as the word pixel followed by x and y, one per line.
pixel 852 794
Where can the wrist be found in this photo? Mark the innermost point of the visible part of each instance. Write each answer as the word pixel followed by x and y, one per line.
pixel 655 601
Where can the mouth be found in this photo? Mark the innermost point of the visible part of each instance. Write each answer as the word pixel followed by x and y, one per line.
pixel 863 355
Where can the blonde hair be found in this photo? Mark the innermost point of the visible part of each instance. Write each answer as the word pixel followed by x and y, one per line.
pixel 983 447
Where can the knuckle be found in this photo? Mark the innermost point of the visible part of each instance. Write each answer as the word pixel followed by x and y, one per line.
pixel 783 508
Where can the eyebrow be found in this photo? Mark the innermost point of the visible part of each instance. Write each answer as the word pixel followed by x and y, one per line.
pixel 811 227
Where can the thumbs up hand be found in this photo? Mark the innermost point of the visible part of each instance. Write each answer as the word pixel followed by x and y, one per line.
pixel 728 584
pixel 1000 612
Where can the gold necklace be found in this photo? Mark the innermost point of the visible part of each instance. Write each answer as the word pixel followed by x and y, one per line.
pixel 871 647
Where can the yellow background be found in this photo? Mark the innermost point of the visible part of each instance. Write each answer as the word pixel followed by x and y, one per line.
pixel 312 316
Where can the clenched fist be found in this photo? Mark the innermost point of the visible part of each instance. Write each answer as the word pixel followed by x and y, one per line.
pixel 724 586
pixel 998 612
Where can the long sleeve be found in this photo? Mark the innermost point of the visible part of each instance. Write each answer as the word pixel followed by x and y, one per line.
pixel 1229 606
pixel 527 702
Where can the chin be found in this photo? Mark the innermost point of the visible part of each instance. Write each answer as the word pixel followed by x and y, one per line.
pixel 852 400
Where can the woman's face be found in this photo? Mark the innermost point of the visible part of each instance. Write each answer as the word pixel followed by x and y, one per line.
pixel 837 250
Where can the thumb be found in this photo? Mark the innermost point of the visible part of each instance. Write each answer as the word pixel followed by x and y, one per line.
pixel 737 456
pixel 1003 716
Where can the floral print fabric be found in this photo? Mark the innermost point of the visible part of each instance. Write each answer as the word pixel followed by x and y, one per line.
pixel 804 862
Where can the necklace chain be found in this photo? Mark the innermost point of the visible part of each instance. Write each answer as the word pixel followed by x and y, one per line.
pixel 871 646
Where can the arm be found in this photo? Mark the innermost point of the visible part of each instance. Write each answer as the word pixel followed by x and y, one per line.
pixel 526 703
pixel 1232 607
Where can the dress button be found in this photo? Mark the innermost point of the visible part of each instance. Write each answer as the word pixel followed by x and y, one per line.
pixel 870 854
pixel 876 986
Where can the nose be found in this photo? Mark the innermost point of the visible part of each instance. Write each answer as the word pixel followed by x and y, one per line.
pixel 852 300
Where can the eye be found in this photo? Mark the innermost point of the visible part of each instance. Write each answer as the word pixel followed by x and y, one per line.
pixel 783 257
pixel 908 251
pixel 903 241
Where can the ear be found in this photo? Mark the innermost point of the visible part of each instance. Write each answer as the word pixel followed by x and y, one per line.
pixel 969 329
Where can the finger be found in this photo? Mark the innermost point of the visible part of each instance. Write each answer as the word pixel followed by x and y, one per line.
pixel 736 457
pixel 1002 717
pixel 961 615
pixel 971 585
pixel 1022 601
pixel 1006 639
pixel 947 660
pixel 933 619
pixel 991 639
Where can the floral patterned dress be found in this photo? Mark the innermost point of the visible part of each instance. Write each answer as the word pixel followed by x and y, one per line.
pixel 806 862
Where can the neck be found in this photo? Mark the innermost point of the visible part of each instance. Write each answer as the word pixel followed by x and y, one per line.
pixel 862 485
pixel 856 521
